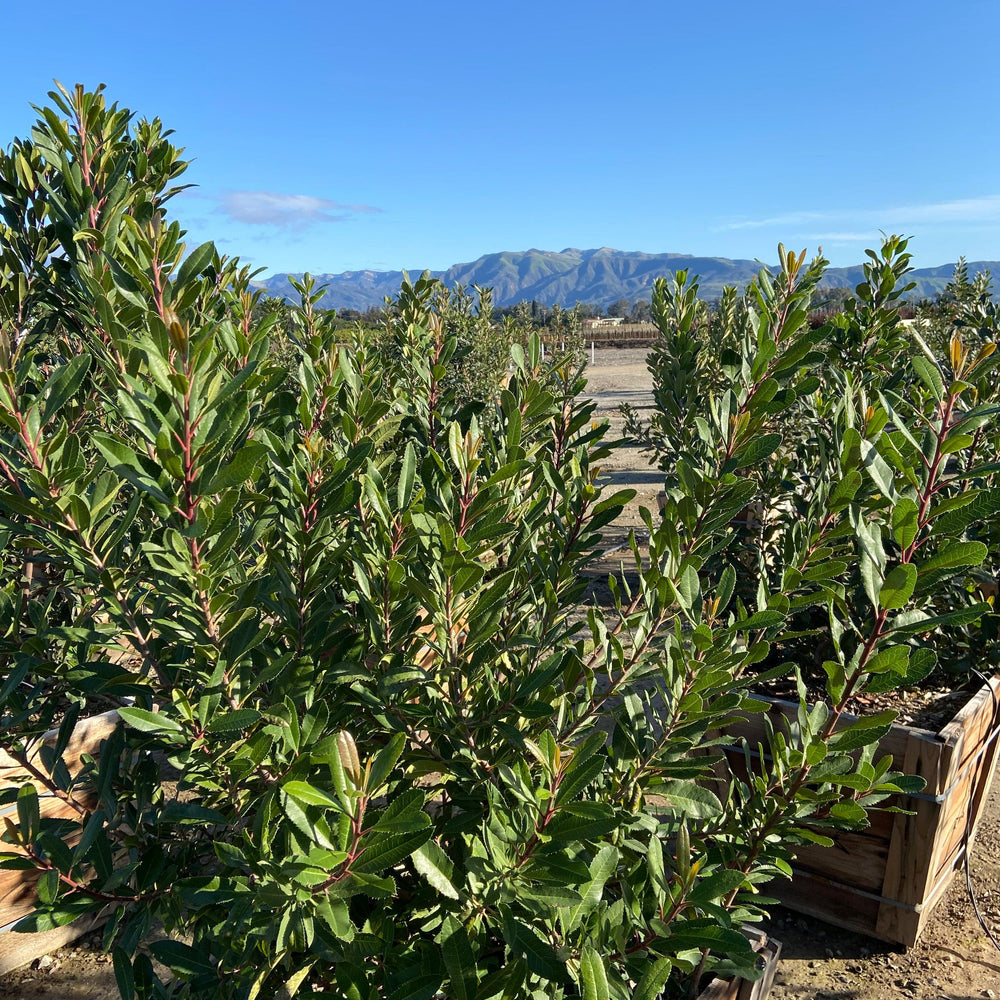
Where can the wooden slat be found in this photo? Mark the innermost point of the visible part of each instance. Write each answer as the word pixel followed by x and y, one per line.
pixel 825 899
pixel 86 738
pixel 17 950
pixel 855 859
pixel 910 866
pixel 916 854
pixel 17 887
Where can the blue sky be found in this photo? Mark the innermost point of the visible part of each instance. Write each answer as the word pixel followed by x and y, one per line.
pixel 335 136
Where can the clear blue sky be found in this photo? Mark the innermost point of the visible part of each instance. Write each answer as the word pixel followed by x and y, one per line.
pixel 335 136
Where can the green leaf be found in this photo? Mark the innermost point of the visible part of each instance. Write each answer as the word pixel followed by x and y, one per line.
pixel 716 886
pixel 905 522
pixel 762 619
pixel 190 813
pixel 653 980
pixel 182 959
pixel 126 464
pixel 727 584
pixel 929 374
pixel 459 960
pixel 419 987
pixel 404 487
pixel 310 795
pixel 149 722
pixel 877 467
pixel 980 506
pixel 241 467
pixel 47 887
pixel 958 554
pixel 123 974
pixel 228 722
pixel 862 732
pixel 432 862
pixel 920 663
pixel 63 385
pixel 689 586
pixel 195 262
pixel 757 450
pixel 582 821
pixel 539 954
pixel 383 851
pixel 894 658
pixel 897 588
pixel 685 798
pixel 593 976
pixel 962 616
pixel 602 867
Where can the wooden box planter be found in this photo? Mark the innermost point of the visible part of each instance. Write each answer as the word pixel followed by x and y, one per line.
pixel 17 888
pixel 886 880
pixel 769 951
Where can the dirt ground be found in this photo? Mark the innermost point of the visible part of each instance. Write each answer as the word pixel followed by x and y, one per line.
pixel 953 961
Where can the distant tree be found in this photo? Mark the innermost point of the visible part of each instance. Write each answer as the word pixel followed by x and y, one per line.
pixel 833 299
pixel 621 308
pixel 640 312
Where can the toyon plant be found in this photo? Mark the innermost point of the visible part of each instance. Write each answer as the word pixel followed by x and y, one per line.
pixel 371 740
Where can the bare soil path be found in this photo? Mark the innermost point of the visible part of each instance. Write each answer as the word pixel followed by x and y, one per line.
pixel 954 960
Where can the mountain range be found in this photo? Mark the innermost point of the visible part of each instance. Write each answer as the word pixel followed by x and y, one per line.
pixel 569 276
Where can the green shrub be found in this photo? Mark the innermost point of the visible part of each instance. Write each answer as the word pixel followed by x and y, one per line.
pixel 863 427
pixel 371 744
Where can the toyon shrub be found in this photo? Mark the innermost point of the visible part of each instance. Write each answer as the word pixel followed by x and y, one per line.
pixel 372 741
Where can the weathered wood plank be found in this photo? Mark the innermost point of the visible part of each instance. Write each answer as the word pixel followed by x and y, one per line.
pixel 17 950
pixel 17 888
pixel 884 881
pixel 86 738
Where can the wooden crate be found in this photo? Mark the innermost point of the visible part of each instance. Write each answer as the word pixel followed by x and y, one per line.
pixel 886 880
pixel 17 888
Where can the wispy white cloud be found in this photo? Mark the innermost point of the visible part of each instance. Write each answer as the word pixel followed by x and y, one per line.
pixel 841 237
pixel 790 219
pixel 985 209
pixel 286 211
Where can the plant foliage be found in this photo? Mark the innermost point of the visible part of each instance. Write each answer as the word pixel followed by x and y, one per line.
pixel 370 742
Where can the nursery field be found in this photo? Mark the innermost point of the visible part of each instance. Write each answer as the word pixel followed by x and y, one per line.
pixel 953 961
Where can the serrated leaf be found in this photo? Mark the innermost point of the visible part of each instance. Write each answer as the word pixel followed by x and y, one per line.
pixel 878 469
pixel 310 795
pixel 593 976
pixel 539 954
pixel 685 798
pixel 929 374
pixel 149 722
pixel 956 555
pixel 182 959
pixel 459 960
pixel 757 450
pixel 897 588
pixel 432 862
pixel 240 467
pixel 227 722
pixel 653 980
pixel 962 616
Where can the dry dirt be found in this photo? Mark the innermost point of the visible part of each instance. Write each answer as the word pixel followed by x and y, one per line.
pixel 953 961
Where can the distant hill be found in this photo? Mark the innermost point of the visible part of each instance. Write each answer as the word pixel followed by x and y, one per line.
pixel 595 276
